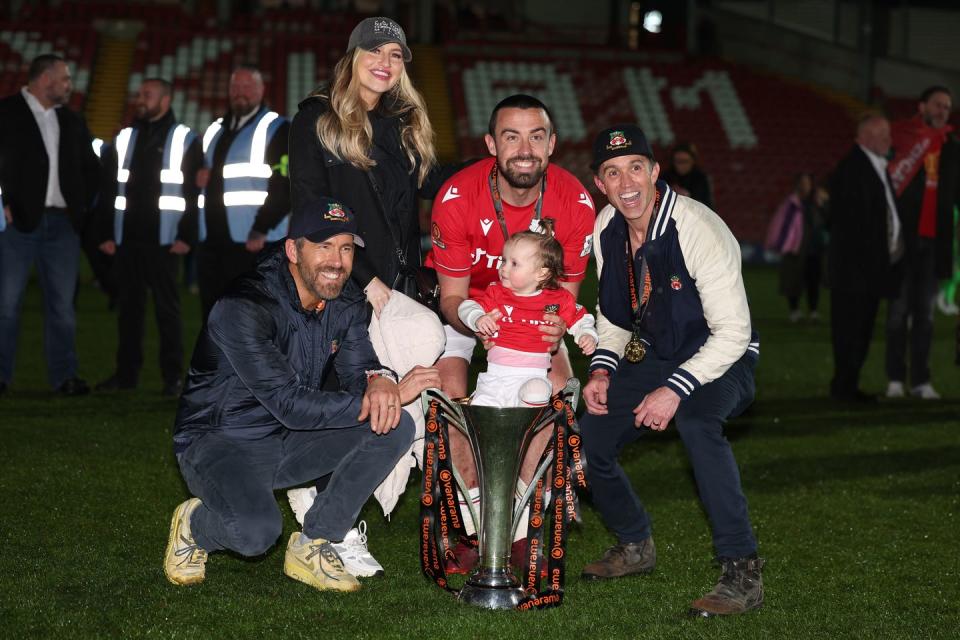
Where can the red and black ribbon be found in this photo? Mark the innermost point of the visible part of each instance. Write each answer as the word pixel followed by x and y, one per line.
pixel 553 505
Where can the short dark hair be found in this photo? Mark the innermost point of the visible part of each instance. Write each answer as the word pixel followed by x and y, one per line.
pixel 165 84
pixel 929 91
pixel 519 101
pixel 40 64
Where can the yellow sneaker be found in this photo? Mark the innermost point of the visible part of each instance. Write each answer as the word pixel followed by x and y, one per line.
pixel 316 563
pixel 184 562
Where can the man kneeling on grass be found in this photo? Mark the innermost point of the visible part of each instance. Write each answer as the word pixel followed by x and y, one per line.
pixel 253 417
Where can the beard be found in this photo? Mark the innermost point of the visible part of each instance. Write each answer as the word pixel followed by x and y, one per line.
pixel 518 179
pixel 318 284
pixel 144 113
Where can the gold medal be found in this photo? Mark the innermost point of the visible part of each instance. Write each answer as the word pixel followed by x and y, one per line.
pixel 635 351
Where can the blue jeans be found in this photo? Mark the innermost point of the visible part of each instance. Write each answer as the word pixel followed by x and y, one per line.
pixel 699 421
pixel 235 480
pixel 54 247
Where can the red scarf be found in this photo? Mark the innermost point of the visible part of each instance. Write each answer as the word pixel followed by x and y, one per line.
pixel 918 145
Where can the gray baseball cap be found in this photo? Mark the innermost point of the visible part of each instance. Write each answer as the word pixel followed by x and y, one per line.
pixel 374 32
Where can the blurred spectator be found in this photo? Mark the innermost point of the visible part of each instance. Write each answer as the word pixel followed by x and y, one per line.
pixel 925 173
pixel 246 198
pixel 48 177
pixel 866 240
pixel 147 220
pixel 685 176
pixel 796 233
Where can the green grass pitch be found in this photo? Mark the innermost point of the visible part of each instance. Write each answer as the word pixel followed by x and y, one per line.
pixel 856 511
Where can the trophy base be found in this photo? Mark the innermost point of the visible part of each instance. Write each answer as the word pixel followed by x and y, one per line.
pixel 492 589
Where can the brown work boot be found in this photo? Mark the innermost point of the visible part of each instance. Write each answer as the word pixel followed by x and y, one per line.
pixel 740 589
pixel 624 559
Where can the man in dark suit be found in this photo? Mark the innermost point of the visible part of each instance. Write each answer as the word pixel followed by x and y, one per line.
pixel 866 240
pixel 48 174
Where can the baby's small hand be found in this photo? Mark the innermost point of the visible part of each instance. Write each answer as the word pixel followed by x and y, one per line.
pixel 487 324
pixel 588 344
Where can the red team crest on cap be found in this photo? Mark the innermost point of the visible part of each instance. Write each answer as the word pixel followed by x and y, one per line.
pixel 675 283
pixel 617 140
pixel 335 212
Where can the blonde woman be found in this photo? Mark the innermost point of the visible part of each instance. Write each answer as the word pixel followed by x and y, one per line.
pixel 365 139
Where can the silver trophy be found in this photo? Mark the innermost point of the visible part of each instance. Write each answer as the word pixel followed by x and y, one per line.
pixel 499 439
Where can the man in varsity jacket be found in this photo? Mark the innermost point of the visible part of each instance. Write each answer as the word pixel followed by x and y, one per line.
pixel 148 220
pixel 675 344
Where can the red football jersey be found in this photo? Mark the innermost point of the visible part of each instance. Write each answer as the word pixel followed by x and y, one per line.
pixel 468 240
pixel 523 315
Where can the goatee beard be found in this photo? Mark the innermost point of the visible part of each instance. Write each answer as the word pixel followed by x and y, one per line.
pixel 521 180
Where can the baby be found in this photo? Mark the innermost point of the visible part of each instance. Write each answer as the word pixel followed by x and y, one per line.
pixel 510 313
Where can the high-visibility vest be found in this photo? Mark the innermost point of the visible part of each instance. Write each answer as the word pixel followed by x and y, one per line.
pixel 172 203
pixel 246 175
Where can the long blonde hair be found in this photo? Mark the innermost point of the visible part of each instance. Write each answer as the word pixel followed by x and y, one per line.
pixel 345 130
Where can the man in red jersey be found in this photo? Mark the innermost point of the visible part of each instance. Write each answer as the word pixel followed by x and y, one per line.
pixel 482 205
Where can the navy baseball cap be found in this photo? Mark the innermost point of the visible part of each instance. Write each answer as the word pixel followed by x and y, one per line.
pixel 374 32
pixel 323 219
pixel 620 140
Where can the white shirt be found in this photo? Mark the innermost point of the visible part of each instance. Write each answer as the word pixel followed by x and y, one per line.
pixel 50 132
pixel 893 218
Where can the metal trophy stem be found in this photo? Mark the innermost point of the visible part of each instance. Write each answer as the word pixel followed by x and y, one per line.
pixel 499 439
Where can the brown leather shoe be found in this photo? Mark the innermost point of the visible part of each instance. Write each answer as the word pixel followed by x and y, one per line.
pixel 625 559
pixel 740 589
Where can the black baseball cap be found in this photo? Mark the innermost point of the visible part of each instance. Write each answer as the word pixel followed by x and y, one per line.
pixel 321 220
pixel 620 140
pixel 374 32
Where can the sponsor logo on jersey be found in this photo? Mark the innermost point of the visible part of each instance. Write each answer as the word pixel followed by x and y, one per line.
pixel 435 236
pixel 485 225
pixel 585 200
pixel 587 245
pixel 452 194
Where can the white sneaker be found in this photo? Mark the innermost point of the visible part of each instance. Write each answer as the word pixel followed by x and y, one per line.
pixel 925 392
pixel 946 307
pixel 895 389
pixel 301 500
pixel 353 551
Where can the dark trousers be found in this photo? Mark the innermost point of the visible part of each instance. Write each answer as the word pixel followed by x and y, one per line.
pixel 142 267
pixel 910 316
pixel 54 247
pixel 699 420
pixel 235 480
pixel 852 318
pixel 217 266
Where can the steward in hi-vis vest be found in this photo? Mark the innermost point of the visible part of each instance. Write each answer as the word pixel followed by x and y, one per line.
pixel 246 200
pixel 147 219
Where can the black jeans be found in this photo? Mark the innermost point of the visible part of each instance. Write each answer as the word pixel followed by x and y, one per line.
pixel 235 480
pixel 852 317
pixel 153 267
pixel 699 420
pixel 914 305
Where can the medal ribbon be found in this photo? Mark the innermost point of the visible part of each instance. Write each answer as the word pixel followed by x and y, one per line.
pixel 441 520
pixel 498 201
